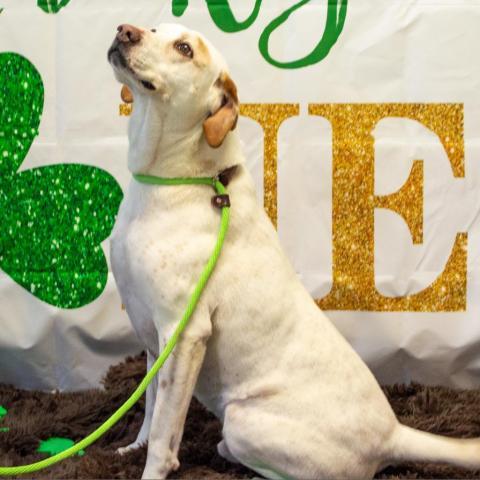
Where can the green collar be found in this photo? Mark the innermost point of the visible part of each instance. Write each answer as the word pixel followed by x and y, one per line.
pixel 218 182
pixel 223 177
pixel 152 180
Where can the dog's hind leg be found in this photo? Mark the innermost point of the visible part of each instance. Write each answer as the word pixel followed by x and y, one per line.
pixel 142 436
pixel 224 452
pixel 253 438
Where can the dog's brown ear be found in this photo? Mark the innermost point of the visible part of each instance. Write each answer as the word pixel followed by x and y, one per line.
pixel 218 124
pixel 126 94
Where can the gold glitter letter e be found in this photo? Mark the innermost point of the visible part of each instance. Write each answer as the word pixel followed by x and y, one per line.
pixel 354 204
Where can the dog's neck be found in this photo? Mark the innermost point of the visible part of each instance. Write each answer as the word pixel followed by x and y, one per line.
pixel 168 145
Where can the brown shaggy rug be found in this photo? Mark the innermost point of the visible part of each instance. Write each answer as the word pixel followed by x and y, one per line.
pixel 34 416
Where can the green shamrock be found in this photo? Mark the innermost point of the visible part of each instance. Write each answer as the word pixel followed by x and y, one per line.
pixel 52 6
pixel 52 218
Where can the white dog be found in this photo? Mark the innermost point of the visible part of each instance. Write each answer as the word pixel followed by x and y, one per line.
pixel 294 398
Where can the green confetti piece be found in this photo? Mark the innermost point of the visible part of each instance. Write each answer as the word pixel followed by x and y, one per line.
pixel 3 412
pixel 53 218
pixel 55 445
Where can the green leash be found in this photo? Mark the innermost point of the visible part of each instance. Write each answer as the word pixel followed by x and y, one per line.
pixel 221 201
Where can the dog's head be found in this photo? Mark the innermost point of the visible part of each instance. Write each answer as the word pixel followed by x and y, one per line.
pixel 181 72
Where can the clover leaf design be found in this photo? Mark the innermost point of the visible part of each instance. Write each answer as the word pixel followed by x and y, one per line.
pixel 52 218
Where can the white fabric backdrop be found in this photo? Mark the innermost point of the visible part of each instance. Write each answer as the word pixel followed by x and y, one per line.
pixel 422 51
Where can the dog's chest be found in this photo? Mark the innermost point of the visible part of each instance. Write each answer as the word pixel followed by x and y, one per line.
pixel 158 249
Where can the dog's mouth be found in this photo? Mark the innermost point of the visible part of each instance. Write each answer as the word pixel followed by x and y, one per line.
pixel 117 58
pixel 148 85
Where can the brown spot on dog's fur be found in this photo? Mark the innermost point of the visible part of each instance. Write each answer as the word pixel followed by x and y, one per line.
pixel 172 442
pixel 201 55
pixel 227 84
pixel 163 384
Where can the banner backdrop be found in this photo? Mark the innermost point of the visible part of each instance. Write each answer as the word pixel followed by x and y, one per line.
pixel 360 123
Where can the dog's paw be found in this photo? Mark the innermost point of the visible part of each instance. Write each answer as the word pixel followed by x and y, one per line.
pixel 160 470
pixel 129 448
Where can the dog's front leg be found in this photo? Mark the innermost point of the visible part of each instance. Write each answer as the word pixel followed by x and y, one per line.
pixel 142 436
pixel 176 383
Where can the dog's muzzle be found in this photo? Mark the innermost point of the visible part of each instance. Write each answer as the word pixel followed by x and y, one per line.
pixel 127 35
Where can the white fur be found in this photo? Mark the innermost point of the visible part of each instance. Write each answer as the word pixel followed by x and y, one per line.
pixel 295 399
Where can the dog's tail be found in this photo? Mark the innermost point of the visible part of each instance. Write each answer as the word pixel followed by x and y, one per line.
pixel 410 444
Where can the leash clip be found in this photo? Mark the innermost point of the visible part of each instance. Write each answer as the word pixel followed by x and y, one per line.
pixel 221 201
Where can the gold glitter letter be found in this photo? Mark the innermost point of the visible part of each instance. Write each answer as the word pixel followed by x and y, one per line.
pixel 270 116
pixel 354 203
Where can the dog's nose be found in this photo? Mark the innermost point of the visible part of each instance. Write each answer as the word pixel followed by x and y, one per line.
pixel 128 34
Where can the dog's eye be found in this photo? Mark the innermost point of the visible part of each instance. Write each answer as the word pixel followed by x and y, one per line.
pixel 154 30
pixel 184 48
